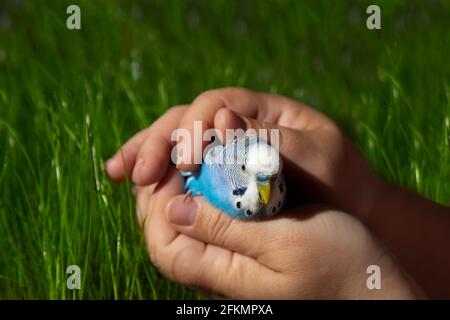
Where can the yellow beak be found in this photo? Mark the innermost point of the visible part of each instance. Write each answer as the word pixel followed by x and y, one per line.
pixel 264 191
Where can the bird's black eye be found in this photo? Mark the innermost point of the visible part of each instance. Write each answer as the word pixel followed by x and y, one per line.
pixel 238 204
pixel 248 212
pixel 243 167
pixel 273 210
pixel 213 138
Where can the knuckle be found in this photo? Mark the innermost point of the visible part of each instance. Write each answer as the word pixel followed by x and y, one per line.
pixel 150 149
pixel 221 94
pixel 206 96
pixel 217 225
pixel 143 148
pixel 181 267
pixel 212 95
pixel 175 110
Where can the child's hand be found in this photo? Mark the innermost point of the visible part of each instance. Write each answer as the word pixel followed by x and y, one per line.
pixel 145 157
pixel 322 164
pixel 303 253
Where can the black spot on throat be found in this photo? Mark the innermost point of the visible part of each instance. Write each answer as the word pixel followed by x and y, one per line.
pixel 239 191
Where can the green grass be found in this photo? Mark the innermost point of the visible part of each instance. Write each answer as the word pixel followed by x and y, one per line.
pixel 68 99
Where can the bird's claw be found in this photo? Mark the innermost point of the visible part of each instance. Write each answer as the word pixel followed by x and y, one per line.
pixel 188 195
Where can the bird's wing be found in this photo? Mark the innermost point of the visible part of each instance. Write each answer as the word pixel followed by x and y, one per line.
pixel 229 159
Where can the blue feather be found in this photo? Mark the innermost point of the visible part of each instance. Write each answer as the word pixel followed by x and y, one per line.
pixel 223 184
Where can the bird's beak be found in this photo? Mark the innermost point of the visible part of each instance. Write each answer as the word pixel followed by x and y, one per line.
pixel 264 191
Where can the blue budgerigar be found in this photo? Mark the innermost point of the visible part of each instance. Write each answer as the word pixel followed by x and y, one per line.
pixel 243 178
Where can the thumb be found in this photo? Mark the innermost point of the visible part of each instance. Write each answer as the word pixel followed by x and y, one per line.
pixel 196 218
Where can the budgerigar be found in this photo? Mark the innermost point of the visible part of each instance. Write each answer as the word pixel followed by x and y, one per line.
pixel 243 178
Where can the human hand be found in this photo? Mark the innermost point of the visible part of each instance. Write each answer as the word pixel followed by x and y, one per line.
pixel 305 252
pixel 322 164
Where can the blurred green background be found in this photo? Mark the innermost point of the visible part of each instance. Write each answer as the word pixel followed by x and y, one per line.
pixel 69 98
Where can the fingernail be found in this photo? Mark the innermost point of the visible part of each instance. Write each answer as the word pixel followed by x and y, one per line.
pixel 182 212
pixel 138 168
pixel 238 121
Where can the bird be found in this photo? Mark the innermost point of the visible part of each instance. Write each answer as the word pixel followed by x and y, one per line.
pixel 243 178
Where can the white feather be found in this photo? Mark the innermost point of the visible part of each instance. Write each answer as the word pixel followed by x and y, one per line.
pixel 263 159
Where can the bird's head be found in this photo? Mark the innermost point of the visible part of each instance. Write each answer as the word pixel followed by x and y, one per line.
pixel 263 162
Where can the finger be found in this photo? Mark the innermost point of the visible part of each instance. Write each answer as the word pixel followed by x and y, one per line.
pixel 261 106
pixel 154 154
pixel 291 114
pixel 226 119
pixel 159 233
pixel 217 270
pixel 198 219
pixel 201 114
pixel 120 166
pixel 291 143
pixel 301 150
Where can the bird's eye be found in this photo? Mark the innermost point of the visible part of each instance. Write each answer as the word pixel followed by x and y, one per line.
pixel 248 212
pixel 243 167
pixel 238 204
